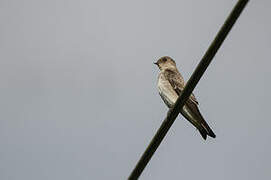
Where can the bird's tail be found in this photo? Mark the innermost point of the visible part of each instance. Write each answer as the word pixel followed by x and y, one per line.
pixel 203 133
pixel 198 121
pixel 208 130
pixel 204 128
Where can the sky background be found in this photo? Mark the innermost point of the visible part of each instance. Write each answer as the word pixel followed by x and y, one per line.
pixel 79 98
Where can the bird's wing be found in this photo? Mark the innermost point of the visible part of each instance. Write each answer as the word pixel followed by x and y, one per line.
pixel 193 98
pixel 177 82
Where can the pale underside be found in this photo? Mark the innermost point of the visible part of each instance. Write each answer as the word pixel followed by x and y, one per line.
pixel 169 95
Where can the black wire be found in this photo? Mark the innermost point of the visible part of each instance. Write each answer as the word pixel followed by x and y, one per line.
pixel 191 84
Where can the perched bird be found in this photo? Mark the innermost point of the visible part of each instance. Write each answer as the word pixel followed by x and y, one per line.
pixel 170 85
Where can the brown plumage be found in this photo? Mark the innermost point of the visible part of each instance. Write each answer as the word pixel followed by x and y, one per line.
pixel 170 85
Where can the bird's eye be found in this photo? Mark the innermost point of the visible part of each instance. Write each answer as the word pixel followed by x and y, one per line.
pixel 164 59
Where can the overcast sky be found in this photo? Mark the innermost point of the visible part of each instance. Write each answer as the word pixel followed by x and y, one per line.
pixel 79 98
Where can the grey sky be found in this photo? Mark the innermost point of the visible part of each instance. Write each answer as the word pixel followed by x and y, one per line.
pixel 79 97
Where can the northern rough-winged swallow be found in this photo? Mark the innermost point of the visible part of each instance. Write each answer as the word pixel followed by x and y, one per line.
pixel 170 85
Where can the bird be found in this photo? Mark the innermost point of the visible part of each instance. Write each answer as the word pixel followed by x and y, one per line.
pixel 170 85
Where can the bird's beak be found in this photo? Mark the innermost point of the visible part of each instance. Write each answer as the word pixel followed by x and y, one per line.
pixel 155 63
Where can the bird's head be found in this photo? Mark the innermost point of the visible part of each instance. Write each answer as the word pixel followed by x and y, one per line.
pixel 165 62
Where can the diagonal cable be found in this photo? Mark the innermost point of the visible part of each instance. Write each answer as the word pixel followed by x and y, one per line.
pixel 190 85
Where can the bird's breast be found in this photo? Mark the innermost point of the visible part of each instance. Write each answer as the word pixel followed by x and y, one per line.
pixel 166 91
